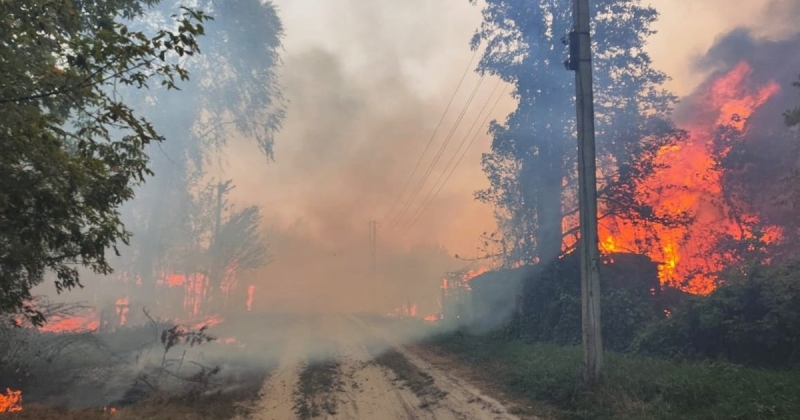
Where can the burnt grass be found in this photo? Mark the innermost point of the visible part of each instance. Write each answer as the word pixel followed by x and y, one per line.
pixel 102 372
pixel 411 377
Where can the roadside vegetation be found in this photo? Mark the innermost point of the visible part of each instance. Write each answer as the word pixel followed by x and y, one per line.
pixel 633 386
pixel 731 354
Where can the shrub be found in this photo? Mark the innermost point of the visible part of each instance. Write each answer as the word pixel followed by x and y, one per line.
pixel 753 321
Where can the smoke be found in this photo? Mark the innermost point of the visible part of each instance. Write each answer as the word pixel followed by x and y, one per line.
pixel 688 29
pixel 771 60
pixel 360 113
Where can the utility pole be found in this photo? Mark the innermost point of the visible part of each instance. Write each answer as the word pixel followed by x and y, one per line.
pixel 373 245
pixel 581 62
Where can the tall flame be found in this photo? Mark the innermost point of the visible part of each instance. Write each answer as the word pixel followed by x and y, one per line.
pixel 72 324
pixel 251 289
pixel 11 401
pixel 692 183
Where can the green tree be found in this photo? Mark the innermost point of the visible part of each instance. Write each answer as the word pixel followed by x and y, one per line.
pixel 532 165
pixel 73 149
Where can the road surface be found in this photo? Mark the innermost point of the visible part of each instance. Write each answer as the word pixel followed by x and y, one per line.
pixel 339 367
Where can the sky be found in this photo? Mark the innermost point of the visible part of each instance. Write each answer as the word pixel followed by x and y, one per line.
pixel 367 82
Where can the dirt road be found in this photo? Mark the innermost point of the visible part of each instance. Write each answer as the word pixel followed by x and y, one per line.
pixel 346 368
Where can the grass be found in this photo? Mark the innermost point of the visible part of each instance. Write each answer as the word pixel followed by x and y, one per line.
pixel 632 388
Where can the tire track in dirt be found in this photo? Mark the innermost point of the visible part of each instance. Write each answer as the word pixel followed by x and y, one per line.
pixel 277 394
pixel 338 367
pixel 460 400
pixel 368 393
pixel 319 379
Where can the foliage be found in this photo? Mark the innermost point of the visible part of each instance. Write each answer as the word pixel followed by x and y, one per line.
pixel 633 387
pixel 533 151
pixel 73 148
pixel 758 169
pixel 552 301
pixel 753 320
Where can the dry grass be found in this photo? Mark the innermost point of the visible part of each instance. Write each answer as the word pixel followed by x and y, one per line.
pixel 214 407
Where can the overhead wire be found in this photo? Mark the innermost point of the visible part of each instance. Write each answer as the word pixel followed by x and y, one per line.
pixel 456 153
pixel 413 196
pixel 461 158
pixel 435 131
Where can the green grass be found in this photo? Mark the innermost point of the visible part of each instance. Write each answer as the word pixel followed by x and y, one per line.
pixel 632 388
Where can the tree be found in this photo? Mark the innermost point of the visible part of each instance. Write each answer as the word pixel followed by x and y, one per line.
pixel 73 148
pixel 233 94
pixel 532 165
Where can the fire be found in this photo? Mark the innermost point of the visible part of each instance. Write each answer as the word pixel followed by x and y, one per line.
pixel 250 291
pixel 174 280
pixel 471 274
pixel 11 401
pixel 72 324
pixel 692 183
pixel 122 309
pixel 407 309
pixel 431 318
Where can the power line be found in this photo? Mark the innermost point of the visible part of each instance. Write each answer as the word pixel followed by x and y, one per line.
pixel 463 154
pixel 449 137
pixel 425 201
pixel 436 130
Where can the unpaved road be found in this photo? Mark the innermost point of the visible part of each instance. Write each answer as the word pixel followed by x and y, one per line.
pixel 338 367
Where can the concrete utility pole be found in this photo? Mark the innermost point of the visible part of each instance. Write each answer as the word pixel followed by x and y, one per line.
pixel 581 62
pixel 373 246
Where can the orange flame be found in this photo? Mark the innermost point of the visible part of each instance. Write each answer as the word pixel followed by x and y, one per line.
pixel 250 292
pixel 11 401
pixel 471 274
pixel 431 318
pixel 692 183
pixel 407 309
pixel 72 324
pixel 122 310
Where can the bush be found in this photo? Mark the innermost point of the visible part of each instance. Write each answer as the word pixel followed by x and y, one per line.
pixel 753 321
pixel 552 301
pixel 633 387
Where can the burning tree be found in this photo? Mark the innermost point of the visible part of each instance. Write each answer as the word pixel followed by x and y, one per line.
pixel 531 168
pixel 175 215
pixel 692 199
pixel 236 245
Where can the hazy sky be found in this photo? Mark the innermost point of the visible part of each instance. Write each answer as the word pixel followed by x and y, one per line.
pixel 367 82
